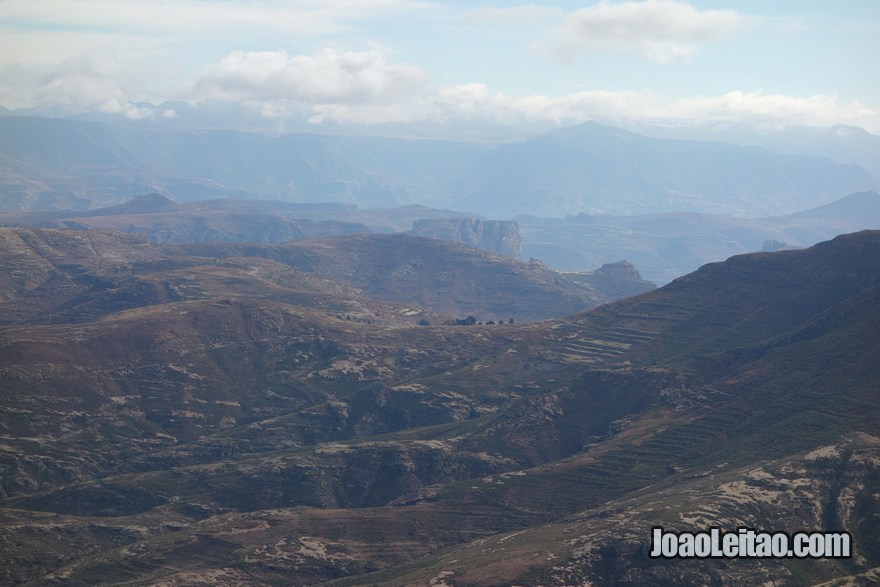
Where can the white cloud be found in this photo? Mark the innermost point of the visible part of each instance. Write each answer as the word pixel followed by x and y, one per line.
pixel 660 30
pixel 360 87
pixel 177 39
pixel 89 79
pixel 476 101
pixel 752 107
pixel 93 80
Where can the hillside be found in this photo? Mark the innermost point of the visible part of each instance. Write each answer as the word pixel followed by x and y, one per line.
pixel 589 168
pixel 444 276
pixel 257 440
pixel 79 275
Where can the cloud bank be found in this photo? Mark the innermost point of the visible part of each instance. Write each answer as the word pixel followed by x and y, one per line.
pixel 366 88
pixel 93 80
pixel 348 87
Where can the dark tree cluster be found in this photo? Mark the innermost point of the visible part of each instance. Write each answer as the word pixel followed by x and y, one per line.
pixel 470 321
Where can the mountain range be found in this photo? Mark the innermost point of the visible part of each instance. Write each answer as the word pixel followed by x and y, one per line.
pixel 588 168
pixel 206 413
pixel 661 246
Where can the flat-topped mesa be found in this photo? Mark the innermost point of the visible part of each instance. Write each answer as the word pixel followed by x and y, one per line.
pixel 494 236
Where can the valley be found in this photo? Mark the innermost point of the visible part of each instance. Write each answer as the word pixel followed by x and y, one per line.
pixel 188 414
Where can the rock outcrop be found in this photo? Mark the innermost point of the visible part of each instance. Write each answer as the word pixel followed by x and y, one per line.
pixel 616 280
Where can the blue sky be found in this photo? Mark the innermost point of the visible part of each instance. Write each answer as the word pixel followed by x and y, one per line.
pixel 367 62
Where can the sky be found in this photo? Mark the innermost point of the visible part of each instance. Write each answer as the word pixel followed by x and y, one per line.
pixel 363 63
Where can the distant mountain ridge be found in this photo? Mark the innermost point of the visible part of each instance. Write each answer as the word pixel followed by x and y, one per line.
pixel 841 143
pixel 54 163
pixel 607 170
pixel 666 246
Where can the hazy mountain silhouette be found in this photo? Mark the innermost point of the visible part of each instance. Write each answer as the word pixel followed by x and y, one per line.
pixel 54 163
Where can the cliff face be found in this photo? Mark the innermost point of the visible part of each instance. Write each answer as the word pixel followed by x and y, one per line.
pixel 495 236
